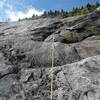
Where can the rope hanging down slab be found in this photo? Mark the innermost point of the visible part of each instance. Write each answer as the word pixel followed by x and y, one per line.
pixel 51 96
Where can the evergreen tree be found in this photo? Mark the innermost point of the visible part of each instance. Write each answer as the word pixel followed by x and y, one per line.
pixel 32 16
pixel 56 13
pixel 75 11
pixel 62 13
pixel 50 13
pixel 88 6
pixel 45 14
pixel 82 7
pixel 97 4
pixel 66 14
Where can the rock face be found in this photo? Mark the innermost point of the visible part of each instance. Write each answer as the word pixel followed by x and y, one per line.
pixel 26 59
pixel 88 48
pixel 76 81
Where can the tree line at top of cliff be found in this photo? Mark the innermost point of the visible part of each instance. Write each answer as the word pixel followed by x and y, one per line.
pixel 62 13
pixel 75 11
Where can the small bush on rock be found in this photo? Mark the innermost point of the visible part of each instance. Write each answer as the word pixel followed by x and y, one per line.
pixel 72 37
pixel 95 30
pixel 69 37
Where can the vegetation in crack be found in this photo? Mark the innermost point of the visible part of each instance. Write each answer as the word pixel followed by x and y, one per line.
pixel 95 30
pixel 73 37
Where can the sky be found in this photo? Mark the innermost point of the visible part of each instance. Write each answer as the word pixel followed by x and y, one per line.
pixel 15 9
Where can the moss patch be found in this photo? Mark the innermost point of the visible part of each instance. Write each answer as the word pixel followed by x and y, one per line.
pixel 72 37
pixel 94 30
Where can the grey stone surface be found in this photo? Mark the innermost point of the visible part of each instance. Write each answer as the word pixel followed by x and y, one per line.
pixel 26 57
pixel 76 81
pixel 88 48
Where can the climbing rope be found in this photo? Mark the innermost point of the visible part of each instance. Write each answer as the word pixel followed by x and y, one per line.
pixel 52 66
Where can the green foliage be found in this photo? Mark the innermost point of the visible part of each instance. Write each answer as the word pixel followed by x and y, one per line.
pixel 55 13
pixel 92 7
pixel 76 11
pixel 80 11
pixel 88 6
pixel 95 30
pixel 83 11
pixel 81 36
pixel 97 4
pixel 72 37
pixel 69 37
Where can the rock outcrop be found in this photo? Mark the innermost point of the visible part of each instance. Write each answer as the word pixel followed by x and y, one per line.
pixel 26 59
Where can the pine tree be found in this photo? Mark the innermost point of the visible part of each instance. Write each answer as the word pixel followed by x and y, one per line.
pixel 62 13
pixel 75 11
pixel 32 16
pixel 82 7
pixel 88 6
pixel 45 14
pixel 56 13
pixel 97 4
